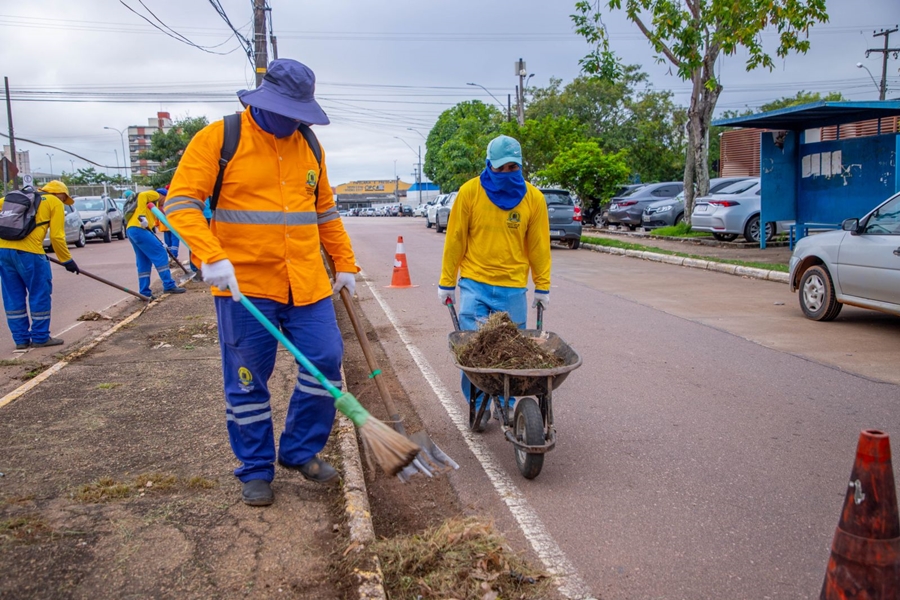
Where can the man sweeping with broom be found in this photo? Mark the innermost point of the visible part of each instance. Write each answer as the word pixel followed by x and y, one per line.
pixel 272 206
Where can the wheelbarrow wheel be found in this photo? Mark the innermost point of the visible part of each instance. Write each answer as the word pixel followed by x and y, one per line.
pixel 529 430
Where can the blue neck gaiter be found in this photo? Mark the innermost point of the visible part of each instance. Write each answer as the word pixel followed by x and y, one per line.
pixel 505 190
pixel 277 125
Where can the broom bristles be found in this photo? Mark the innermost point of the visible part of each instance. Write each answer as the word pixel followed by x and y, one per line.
pixel 391 450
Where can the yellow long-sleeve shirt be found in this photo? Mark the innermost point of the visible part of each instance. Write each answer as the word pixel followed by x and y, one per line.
pixel 141 210
pixel 52 213
pixel 494 246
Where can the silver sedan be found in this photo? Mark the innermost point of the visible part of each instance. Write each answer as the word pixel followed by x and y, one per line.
pixel 731 212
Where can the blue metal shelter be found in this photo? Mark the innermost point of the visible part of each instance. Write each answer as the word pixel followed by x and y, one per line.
pixel 817 182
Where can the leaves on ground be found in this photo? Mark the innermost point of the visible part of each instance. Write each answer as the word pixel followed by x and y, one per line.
pixel 499 344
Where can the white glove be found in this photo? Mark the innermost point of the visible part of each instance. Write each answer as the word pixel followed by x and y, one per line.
pixel 221 275
pixel 143 221
pixel 445 295
pixel 344 280
pixel 542 298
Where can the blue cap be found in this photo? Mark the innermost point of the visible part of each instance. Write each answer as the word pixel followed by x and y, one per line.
pixel 127 194
pixel 162 191
pixel 502 150
pixel 288 89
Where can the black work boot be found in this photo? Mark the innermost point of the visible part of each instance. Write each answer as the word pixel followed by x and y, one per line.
pixel 314 470
pixel 50 342
pixel 257 492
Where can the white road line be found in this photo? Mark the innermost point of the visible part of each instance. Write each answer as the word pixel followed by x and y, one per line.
pixel 70 327
pixel 568 581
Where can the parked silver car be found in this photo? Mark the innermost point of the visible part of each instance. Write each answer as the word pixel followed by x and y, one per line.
pixel 732 212
pixel 629 209
pixel 858 265
pixel 102 218
pixel 665 213
pixel 431 211
pixel 74 227
pixel 442 214
pixel 565 217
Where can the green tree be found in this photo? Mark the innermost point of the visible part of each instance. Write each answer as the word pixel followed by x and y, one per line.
pixel 543 139
pixel 457 144
pixel 587 170
pixel 625 113
pixel 167 147
pixel 690 34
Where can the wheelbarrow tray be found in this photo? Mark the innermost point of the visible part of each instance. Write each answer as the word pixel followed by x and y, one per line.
pixel 522 382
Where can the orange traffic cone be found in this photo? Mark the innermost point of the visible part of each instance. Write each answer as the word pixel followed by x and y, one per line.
pixel 400 278
pixel 865 553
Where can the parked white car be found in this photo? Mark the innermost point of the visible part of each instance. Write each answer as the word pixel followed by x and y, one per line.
pixel 858 265
pixel 431 211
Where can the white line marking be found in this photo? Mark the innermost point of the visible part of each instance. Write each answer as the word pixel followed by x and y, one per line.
pixel 70 327
pixel 555 561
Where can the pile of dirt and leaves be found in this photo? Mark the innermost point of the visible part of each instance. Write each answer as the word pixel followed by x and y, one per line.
pixel 499 344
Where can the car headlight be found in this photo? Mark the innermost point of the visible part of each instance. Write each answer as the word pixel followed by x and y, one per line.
pixel 664 208
pixel 94 220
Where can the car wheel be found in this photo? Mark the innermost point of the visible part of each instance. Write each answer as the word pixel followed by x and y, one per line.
pixel 752 229
pixel 573 244
pixel 438 228
pixel 107 234
pixel 817 300
pixel 427 222
pixel 632 227
pixel 600 219
pixel 81 241
pixel 121 234
pixel 725 237
pixel 679 219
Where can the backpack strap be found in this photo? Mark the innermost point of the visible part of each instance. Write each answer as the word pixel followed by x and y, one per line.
pixel 230 142
pixel 311 139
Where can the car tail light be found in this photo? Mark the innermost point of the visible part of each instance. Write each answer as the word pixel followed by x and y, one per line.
pixel 577 216
pixel 626 203
pixel 725 203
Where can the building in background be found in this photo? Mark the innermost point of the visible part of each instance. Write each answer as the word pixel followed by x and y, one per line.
pixel 429 191
pixel 23 160
pixel 376 192
pixel 139 140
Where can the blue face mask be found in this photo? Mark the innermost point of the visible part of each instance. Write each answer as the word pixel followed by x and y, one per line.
pixel 277 125
pixel 505 190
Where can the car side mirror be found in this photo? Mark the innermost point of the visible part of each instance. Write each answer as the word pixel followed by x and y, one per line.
pixel 851 225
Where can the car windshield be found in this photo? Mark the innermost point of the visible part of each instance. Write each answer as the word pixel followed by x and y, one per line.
pixel 558 198
pixel 739 187
pixel 634 190
pixel 88 204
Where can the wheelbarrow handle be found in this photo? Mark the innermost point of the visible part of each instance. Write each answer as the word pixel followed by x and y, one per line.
pixel 453 314
pixel 540 316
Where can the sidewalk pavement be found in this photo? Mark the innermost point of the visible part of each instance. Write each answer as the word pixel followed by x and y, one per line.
pixel 116 478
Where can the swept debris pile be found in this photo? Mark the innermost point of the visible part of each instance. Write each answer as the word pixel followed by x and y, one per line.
pixel 500 345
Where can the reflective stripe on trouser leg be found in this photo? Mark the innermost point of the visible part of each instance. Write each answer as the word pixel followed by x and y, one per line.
pixel 171 242
pixel 14 292
pixel 314 330
pixel 248 358
pixel 26 279
pixel 149 251
pixel 477 301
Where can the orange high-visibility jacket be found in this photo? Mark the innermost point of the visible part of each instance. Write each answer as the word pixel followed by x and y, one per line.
pixel 267 221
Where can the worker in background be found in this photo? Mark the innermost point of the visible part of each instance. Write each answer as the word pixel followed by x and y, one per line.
pixel 148 250
pixel 498 231
pixel 170 239
pixel 275 209
pixel 25 276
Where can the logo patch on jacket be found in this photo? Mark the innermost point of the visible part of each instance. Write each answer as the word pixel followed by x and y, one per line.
pixel 311 178
pixel 514 220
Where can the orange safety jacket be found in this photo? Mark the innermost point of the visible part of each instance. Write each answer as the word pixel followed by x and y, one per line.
pixel 267 221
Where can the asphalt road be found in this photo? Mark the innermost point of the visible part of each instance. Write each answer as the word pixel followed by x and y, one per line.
pixel 75 295
pixel 705 445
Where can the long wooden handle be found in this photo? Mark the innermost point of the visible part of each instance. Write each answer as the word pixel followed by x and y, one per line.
pixel 394 416
pixel 106 281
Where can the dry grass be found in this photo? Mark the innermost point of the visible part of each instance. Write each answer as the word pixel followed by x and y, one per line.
pixel 500 345
pixel 461 558
pixel 107 489
pixel 102 490
pixel 201 483
pixel 24 528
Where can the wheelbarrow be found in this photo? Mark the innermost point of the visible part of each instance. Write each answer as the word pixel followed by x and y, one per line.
pixel 530 428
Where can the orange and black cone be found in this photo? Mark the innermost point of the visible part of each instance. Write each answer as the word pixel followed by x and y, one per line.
pixel 400 279
pixel 865 553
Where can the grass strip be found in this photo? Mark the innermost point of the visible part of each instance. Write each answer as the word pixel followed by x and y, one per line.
pixel 642 248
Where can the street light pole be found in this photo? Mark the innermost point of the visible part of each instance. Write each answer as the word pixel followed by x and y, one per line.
pixel 124 154
pixel 50 156
pixel 419 172
pixel 859 65
pixel 492 96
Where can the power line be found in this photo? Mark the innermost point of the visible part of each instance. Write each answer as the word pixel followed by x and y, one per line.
pixel 171 32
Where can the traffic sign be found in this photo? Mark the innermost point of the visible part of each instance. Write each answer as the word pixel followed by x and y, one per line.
pixel 8 170
pixel 27 180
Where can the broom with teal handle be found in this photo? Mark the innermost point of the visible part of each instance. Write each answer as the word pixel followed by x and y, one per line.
pixel 390 450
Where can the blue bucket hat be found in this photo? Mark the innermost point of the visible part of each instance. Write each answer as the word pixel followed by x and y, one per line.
pixel 502 150
pixel 162 191
pixel 288 89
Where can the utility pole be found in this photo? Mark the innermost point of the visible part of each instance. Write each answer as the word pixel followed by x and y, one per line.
pixel 520 91
pixel 12 135
pixel 272 39
pixel 509 107
pixel 885 51
pixel 259 40
pixel 419 175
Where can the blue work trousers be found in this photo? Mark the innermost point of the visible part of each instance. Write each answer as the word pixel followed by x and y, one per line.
pixel 477 301
pixel 171 242
pixel 27 283
pixel 149 253
pixel 248 359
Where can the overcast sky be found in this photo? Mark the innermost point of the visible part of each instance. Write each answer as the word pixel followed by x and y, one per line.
pixel 382 67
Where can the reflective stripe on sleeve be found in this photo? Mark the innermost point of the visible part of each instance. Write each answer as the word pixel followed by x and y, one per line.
pixel 183 203
pixel 328 215
pixel 259 217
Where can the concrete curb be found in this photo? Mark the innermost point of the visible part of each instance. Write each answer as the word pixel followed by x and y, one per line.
pixel 694 263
